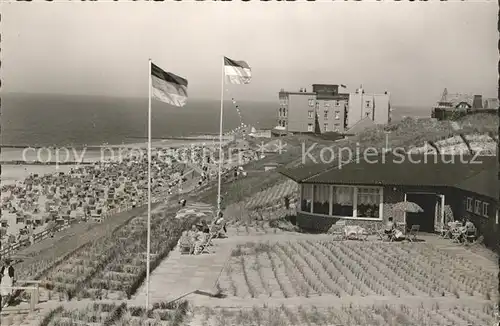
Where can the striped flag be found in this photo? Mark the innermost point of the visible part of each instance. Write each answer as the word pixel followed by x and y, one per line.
pixel 237 72
pixel 167 87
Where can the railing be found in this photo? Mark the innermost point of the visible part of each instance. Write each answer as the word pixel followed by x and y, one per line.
pixel 37 237
pixel 34 291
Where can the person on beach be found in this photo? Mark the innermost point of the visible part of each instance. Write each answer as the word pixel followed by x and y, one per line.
pixel 7 274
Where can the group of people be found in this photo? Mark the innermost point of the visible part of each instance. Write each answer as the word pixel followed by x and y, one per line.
pixel 199 235
pixel 463 231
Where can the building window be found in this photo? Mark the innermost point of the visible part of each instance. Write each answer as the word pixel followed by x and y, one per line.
pixel 307 193
pixel 317 105
pixel 284 112
pixel 485 209
pixel 477 207
pixel 327 105
pixel 326 114
pixel 321 204
pixel 469 204
pixel 326 127
pixel 280 114
pixel 367 104
pixel 311 102
pixel 343 201
pixel 337 103
pixel 310 127
pixel 310 114
pixel 337 115
pixel 368 202
pixel 284 123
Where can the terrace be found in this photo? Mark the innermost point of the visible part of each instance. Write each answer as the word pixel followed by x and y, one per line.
pixel 365 192
pixel 263 272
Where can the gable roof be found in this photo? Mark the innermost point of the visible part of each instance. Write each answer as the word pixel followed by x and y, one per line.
pixel 455 99
pixel 464 172
pixel 361 125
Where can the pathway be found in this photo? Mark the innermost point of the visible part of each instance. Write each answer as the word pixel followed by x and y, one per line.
pixel 180 274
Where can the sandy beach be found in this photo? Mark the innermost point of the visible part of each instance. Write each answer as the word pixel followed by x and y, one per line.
pixel 12 173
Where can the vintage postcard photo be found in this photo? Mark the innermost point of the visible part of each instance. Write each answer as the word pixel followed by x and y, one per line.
pixel 249 163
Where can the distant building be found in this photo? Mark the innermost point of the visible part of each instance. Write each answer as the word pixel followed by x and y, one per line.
pixel 491 103
pixel 454 106
pixel 372 109
pixel 336 112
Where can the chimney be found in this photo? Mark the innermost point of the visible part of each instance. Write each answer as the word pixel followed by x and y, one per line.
pixel 305 90
pixel 477 103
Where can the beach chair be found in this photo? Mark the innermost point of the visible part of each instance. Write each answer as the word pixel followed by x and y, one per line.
pixel 412 235
pixel 338 230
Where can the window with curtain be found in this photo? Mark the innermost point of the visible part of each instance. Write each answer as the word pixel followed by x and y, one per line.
pixel 321 203
pixel 343 201
pixel 307 192
pixel 368 202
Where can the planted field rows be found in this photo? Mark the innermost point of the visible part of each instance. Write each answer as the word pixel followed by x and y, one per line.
pixel 114 266
pixel 273 195
pixel 383 315
pixel 101 314
pixel 313 268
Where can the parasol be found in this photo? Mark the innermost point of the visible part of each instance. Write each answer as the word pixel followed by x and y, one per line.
pixel 408 207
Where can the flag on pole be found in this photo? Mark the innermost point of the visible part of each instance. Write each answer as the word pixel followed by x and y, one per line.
pixel 168 87
pixel 343 86
pixel 237 72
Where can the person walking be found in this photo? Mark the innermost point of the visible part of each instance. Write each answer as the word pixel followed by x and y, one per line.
pixel 6 282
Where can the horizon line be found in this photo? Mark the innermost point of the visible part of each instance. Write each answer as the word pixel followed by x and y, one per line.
pixel 145 97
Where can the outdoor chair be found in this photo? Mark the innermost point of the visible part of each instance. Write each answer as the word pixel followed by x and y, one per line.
pixel 206 243
pixel 456 235
pixel 445 232
pixel 471 235
pixel 186 247
pixel 384 236
pixel 413 233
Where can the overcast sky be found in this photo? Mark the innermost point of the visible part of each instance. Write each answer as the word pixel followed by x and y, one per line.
pixel 413 50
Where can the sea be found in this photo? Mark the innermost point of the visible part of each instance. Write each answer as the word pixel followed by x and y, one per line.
pixel 70 120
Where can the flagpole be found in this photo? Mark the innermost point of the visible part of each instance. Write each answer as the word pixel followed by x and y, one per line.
pixel 149 189
pixel 220 140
